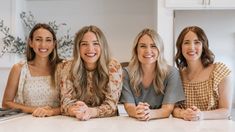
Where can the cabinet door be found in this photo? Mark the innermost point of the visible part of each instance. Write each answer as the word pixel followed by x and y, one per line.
pixel 221 4
pixel 185 4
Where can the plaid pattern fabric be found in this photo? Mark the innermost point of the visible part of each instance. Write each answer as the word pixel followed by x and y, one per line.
pixel 205 94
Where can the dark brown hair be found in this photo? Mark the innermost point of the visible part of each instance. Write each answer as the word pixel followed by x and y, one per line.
pixel 53 57
pixel 207 56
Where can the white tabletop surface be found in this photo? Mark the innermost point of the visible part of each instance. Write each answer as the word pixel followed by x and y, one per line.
pixel 28 123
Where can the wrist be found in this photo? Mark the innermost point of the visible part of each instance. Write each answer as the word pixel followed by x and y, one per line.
pixel 93 112
pixel 181 113
pixel 70 111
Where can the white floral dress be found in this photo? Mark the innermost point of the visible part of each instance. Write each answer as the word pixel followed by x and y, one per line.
pixel 36 91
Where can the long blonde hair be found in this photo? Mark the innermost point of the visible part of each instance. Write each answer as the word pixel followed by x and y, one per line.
pixel 101 73
pixel 135 69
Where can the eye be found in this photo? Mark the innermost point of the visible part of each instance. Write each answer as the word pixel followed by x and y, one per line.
pixel 153 46
pixel 83 44
pixel 198 42
pixel 96 43
pixel 186 42
pixel 141 45
pixel 37 39
pixel 49 40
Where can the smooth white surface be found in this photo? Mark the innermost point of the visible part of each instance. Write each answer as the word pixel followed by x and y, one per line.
pixel 29 123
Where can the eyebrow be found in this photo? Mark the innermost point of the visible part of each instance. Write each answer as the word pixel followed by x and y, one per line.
pixel 92 41
pixel 42 37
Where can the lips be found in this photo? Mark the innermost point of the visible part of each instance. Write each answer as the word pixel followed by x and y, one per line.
pixel 191 53
pixel 90 54
pixel 43 50
pixel 148 56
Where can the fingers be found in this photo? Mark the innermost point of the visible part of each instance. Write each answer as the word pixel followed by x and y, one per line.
pixel 42 112
pixel 83 115
pixel 143 111
pixel 81 111
pixel 192 114
pixel 80 103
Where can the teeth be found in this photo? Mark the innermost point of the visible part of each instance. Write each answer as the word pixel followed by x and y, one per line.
pixel 91 54
pixel 43 50
pixel 191 53
pixel 148 56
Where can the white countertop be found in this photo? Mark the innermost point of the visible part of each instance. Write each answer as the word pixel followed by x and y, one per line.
pixel 28 123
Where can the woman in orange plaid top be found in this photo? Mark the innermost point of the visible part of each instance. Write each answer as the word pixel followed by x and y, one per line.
pixel 91 82
pixel 207 85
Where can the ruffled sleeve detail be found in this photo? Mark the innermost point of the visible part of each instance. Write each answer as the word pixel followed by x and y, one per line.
pixel 65 84
pixel 219 73
pixel 109 106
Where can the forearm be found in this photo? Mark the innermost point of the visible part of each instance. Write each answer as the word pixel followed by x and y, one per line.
pixel 25 109
pixel 160 113
pixel 131 110
pixel 177 112
pixel 56 111
pixel 104 110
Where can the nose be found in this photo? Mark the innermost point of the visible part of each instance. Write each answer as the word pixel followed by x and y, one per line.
pixel 90 47
pixel 43 43
pixel 148 49
pixel 191 46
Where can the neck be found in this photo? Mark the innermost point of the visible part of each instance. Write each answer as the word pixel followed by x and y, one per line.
pixel 193 71
pixel 195 66
pixel 41 62
pixel 148 69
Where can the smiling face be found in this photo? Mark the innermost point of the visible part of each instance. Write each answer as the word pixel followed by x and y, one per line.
pixel 42 43
pixel 191 47
pixel 90 50
pixel 147 50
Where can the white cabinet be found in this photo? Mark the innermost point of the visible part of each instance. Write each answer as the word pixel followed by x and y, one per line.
pixel 200 4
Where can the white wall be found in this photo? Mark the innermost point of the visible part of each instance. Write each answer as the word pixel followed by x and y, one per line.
pixel 5 61
pixel 220 29
pixel 120 20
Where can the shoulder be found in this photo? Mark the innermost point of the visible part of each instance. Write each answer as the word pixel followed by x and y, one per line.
pixel 65 64
pixel 173 73
pixel 172 70
pixel 220 70
pixel 18 66
pixel 220 66
pixel 114 65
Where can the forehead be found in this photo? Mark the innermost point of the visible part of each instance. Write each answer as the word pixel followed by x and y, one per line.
pixel 42 32
pixel 190 35
pixel 89 35
pixel 146 39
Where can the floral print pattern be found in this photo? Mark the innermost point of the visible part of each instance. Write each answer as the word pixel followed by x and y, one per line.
pixel 105 108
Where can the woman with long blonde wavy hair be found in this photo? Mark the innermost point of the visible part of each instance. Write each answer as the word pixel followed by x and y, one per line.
pixel 150 87
pixel 91 82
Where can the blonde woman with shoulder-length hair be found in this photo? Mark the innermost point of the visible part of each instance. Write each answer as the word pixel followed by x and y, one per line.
pixel 91 82
pixel 150 87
